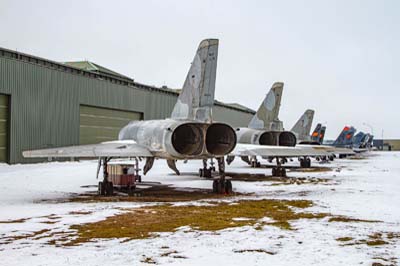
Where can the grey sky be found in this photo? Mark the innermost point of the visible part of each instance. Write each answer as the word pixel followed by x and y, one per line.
pixel 340 58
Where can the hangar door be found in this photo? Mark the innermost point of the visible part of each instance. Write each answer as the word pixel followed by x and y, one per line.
pixel 3 128
pixel 101 124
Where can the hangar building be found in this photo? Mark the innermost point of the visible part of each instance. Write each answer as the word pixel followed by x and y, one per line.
pixel 46 104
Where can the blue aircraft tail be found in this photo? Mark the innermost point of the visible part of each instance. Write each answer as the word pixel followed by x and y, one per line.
pixel 345 138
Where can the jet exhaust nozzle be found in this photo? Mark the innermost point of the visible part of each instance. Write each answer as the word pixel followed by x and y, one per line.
pixel 187 139
pixel 278 138
pixel 220 139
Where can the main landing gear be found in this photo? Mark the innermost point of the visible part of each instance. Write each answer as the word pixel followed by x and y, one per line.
pixel 222 184
pixel 305 162
pixel 207 171
pixel 105 188
pixel 254 163
pixel 279 170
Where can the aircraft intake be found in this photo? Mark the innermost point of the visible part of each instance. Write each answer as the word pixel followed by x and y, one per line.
pixel 187 139
pixel 220 139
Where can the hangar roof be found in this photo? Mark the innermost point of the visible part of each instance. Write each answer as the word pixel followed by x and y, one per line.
pixel 90 66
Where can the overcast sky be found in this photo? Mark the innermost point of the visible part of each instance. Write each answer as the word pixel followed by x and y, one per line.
pixel 341 58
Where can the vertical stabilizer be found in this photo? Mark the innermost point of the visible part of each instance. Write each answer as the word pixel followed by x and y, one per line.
pixel 359 139
pixel 267 114
pixel 303 126
pixel 345 138
pixel 197 97
pixel 322 135
pixel 315 134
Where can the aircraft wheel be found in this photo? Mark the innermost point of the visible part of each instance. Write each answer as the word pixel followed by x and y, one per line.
pixel 207 173
pixel 228 187
pixel 221 187
pixel 201 172
pixel 283 172
pixel 279 172
pixel 218 187
pixel 274 171
pixel 258 164
pixel 101 189
pixel 109 189
pixel 308 162
pixel 215 186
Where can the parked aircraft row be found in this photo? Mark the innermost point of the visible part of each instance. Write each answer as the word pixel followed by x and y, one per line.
pixel 191 133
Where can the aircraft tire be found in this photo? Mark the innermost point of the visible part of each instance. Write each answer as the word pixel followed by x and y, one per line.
pixel 101 189
pixel 109 189
pixel 228 187
pixel 308 163
pixel 283 172
pixel 215 186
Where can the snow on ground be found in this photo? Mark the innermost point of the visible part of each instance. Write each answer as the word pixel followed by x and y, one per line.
pixel 364 189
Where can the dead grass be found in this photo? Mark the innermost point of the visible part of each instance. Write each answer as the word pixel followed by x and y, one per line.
pixel 80 212
pixel 345 219
pixel 22 220
pixel 155 194
pixel 148 260
pixel 311 170
pixel 167 254
pixel 34 236
pixel 146 222
pixel 356 158
pixel 247 177
pixel 375 239
pixel 344 239
pixel 255 250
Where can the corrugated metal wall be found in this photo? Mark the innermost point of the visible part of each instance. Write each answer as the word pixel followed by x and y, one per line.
pixel 3 128
pixel 44 104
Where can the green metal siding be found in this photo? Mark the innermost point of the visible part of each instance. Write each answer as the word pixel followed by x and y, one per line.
pixel 232 117
pixel 3 128
pixel 46 98
pixel 101 124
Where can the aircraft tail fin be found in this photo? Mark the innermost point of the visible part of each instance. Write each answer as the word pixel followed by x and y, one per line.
pixel 267 114
pixel 196 99
pixel 322 135
pixel 346 137
pixel 359 139
pixel 302 127
pixel 318 133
